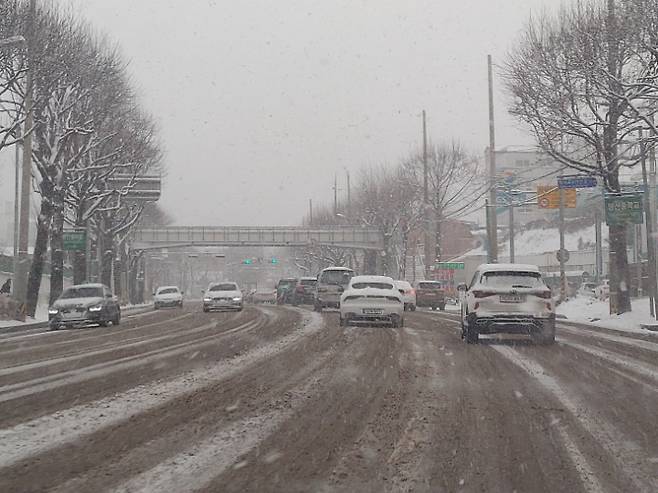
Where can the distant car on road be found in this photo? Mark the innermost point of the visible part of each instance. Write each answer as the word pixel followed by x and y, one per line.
pixel 304 293
pixel 430 294
pixel 332 281
pixel 222 296
pixel 371 299
pixel 264 295
pixel 84 304
pixel 408 295
pixel 285 289
pixel 508 298
pixel 167 296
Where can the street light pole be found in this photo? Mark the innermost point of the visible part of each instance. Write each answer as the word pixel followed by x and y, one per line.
pixel 493 231
pixel 20 276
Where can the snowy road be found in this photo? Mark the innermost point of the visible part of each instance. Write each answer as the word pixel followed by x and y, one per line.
pixel 283 399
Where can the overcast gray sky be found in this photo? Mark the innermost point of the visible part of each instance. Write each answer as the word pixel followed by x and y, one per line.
pixel 261 102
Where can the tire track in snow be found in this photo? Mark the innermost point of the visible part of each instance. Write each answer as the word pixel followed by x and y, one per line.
pixel 630 457
pixel 48 432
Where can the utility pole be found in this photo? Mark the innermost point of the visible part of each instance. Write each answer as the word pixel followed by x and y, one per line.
pixel 493 226
pixel 349 193
pixel 335 194
pixel 20 275
pixel 310 212
pixel 511 229
pixel 426 203
pixel 599 244
pixel 17 186
pixel 563 276
pixel 648 217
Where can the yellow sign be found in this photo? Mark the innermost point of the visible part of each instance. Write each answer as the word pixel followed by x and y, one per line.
pixel 548 197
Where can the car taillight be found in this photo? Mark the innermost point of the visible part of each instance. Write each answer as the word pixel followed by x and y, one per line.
pixel 352 298
pixel 411 292
pixel 483 294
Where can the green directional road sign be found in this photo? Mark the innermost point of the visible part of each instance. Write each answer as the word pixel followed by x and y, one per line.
pixel 623 209
pixel 450 265
pixel 74 240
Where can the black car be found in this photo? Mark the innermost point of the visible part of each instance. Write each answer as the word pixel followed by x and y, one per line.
pixel 84 304
pixel 304 293
pixel 284 290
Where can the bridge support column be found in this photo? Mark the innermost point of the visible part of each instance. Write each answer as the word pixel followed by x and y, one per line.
pixel 370 261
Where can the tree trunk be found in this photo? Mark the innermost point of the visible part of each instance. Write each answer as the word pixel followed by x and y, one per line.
pixel 620 294
pixel 79 267
pixel 40 249
pixel 56 256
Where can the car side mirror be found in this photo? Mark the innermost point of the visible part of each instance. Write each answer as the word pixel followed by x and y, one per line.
pixel 462 287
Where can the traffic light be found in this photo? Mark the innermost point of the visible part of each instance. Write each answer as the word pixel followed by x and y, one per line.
pixel 247 261
pixel 275 260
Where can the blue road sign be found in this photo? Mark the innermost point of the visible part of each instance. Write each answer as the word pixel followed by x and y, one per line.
pixel 576 182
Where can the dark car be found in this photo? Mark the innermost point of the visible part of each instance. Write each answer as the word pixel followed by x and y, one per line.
pixel 431 294
pixel 84 304
pixel 304 293
pixel 284 290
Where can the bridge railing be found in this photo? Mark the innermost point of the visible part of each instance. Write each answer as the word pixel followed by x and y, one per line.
pixel 348 237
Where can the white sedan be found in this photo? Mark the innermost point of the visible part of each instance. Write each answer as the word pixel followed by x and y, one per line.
pixel 167 296
pixel 408 295
pixel 371 299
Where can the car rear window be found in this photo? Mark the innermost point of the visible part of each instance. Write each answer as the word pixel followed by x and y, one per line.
pixel 308 282
pixel 287 282
pixel 340 277
pixel 168 291
pixel 376 285
pixel 87 292
pixel 224 287
pixel 512 279
pixel 430 285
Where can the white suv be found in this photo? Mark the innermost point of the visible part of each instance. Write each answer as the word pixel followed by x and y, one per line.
pixel 508 298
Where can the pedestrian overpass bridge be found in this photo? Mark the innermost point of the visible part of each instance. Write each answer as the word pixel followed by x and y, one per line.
pixel 236 236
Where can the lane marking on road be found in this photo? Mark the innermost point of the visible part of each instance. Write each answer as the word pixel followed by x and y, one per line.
pixel 630 457
pixel 48 432
pixel 629 341
pixel 617 359
pixel 197 466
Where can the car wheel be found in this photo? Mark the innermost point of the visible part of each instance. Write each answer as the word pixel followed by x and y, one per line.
pixel 401 323
pixel 547 334
pixel 442 307
pixel 412 308
pixel 103 323
pixel 205 310
pixel 54 326
pixel 472 335
pixel 156 307
pixel 341 322
pixel 317 307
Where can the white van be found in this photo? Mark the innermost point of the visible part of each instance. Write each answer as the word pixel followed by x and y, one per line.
pixel 332 281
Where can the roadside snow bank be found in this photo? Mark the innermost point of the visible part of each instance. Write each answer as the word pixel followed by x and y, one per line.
pixel 589 310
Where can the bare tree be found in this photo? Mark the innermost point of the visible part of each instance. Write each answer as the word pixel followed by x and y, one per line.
pixel 580 79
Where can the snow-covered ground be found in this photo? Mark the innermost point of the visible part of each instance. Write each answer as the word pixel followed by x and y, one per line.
pixel 41 315
pixel 590 310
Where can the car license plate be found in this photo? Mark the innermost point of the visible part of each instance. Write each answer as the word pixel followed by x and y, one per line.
pixel 512 298
pixel 372 311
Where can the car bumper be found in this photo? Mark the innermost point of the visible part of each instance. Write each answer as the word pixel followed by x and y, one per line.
pixel 78 320
pixel 370 314
pixel 430 302
pixel 167 303
pixel 236 305
pixel 510 323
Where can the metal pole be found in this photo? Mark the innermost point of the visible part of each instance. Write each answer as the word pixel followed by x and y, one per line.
pixel 511 231
pixel 349 193
pixel 563 277
pixel 648 217
pixel 335 194
pixel 599 246
pixel 17 185
pixel 310 211
pixel 493 232
pixel 20 276
pixel 426 203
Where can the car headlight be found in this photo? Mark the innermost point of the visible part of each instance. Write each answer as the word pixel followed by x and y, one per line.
pixel 53 311
pixel 237 299
pixel 96 308
pixel 207 299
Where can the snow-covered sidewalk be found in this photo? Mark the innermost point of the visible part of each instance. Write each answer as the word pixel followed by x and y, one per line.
pixel 592 311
